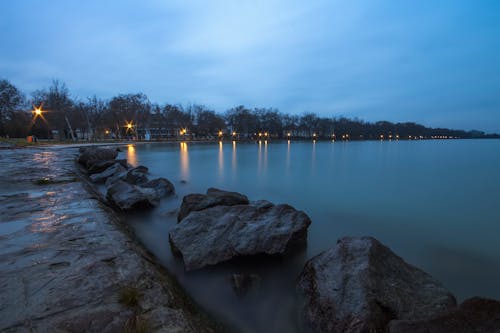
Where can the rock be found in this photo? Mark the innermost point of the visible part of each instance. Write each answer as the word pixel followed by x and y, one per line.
pixel 100 166
pixel 476 315
pixel 131 197
pixel 162 186
pixel 360 285
pixel 214 197
pixel 135 176
pixel 90 155
pixel 243 283
pixel 115 169
pixel 221 233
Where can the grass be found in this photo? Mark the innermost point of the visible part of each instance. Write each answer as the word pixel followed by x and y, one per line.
pixel 130 296
pixel 137 324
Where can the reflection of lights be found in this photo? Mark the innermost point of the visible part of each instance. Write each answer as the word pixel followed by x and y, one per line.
pixel 131 155
pixel 184 159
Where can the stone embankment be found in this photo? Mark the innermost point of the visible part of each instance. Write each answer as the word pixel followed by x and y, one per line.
pixel 68 265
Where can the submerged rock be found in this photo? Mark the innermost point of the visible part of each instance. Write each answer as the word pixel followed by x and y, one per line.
pixel 162 186
pixel 101 177
pixel 476 315
pixel 360 285
pixel 244 283
pixel 221 233
pixel 214 197
pixel 131 197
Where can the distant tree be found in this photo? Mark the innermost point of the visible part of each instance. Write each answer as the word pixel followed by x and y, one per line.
pixel 208 123
pixel 242 121
pixel 11 103
pixel 59 106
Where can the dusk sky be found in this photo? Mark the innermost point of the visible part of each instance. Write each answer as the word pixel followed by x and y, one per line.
pixel 432 62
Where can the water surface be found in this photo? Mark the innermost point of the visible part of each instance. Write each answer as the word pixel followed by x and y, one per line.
pixel 435 203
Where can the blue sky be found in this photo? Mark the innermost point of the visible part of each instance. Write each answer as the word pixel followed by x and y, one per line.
pixel 433 62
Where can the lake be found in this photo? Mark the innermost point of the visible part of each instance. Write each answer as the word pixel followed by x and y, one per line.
pixel 435 203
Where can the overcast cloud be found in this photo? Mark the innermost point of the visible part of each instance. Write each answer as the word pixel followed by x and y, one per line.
pixel 434 62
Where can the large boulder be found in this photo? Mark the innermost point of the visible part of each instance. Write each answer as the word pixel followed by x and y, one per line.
pixel 132 197
pixel 221 233
pixel 476 315
pixel 360 285
pixel 114 169
pixel 214 197
pixel 90 155
pixel 162 186
pixel 100 166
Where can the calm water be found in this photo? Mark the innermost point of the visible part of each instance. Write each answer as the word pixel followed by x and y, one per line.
pixel 435 203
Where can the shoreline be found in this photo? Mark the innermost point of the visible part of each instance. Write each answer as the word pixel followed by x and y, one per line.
pixel 68 261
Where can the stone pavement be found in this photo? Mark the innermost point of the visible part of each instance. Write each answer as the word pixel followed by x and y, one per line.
pixel 67 264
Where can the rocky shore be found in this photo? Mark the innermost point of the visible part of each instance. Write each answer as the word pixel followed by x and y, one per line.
pixel 69 265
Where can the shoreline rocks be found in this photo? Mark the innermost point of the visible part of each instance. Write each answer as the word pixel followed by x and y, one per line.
pixel 127 188
pixel 219 233
pixel 360 285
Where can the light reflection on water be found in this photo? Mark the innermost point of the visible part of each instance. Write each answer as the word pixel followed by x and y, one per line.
pixel 419 198
pixel 131 155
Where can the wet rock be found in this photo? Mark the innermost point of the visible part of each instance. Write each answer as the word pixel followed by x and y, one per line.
pixel 162 186
pixel 360 285
pixel 100 166
pixel 132 197
pixel 135 176
pixel 90 155
pixel 214 197
pixel 221 233
pixel 244 283
pixel 113 170
pixel 476 315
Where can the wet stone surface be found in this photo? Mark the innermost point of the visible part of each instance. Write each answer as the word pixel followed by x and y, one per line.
pixel 65 260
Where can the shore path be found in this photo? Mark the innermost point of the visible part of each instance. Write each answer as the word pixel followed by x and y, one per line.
pixel 67 263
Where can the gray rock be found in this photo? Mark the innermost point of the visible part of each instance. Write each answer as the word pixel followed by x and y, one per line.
pixel 162 186
pixel 214 197
pixel 132 197
pixel 135 176
pixel 90 155
pixel 113 170
pixel 476 315
pixel 243 283
pixel 360 285
pixel 221 233
pixel 100 166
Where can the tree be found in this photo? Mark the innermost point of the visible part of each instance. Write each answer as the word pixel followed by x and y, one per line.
pixel 11 104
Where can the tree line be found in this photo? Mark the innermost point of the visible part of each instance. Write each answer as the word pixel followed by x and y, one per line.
pixel 134 116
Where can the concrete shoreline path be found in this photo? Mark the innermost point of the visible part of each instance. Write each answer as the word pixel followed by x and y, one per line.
pixel 68 265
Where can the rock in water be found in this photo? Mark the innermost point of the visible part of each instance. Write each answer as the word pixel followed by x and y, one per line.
pixel 360 285
pixel 131 197
pixel 100 166
pixel 476 315
pixel 135 176
pixel 162 186
pixel 214 197
pixel 243 283
pixel 221 233
pixel 91 155
pixel 115 169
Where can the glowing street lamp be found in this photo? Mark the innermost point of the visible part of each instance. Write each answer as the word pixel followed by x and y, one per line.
pixel 37 111
pixel 234 133
pixel 220 133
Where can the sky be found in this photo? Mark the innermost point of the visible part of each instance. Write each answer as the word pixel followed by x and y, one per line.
pixel 435 62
